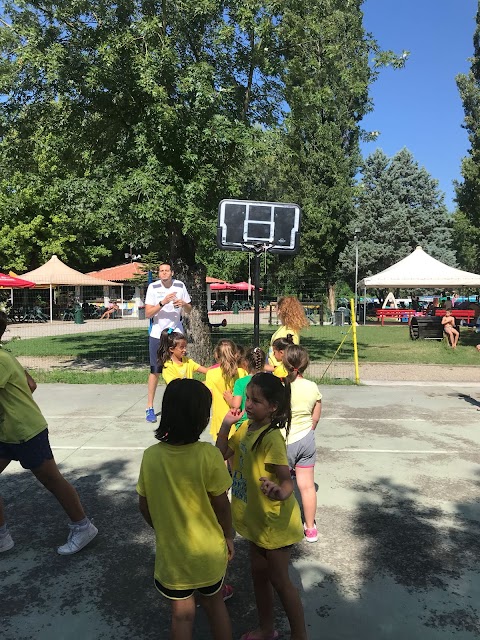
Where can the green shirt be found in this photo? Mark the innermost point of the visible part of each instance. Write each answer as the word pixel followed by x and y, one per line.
pixel 240 389
pixel 20 417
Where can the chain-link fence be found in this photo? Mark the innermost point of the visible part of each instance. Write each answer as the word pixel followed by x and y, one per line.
pixel 100 328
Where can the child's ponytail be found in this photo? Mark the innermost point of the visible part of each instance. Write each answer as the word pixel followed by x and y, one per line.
pixel 276 393
pixel 226 355
pixel 295 361
pixel 255 359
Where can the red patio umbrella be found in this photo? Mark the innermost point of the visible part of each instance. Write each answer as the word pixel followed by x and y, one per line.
pixel 9 282
pixel 243 286
pixel 222 286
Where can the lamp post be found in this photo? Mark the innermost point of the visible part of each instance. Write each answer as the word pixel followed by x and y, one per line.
pixel 355 237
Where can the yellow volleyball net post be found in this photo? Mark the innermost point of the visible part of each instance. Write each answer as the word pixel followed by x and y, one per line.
pixel 353 315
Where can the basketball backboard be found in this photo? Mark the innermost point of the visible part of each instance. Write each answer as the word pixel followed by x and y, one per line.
pixel 245 225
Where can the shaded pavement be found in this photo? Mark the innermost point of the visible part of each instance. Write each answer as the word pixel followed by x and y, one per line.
pixel 399 521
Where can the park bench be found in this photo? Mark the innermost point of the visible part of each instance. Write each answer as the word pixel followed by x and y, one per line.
pixel 215 325
pixel 459 314
pixel 395 313
pixel 426 328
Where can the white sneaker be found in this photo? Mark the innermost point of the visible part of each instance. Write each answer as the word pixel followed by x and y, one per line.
pixel 6 542
pixel 78 538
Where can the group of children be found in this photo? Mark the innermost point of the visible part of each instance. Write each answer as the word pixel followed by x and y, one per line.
pixel 262 418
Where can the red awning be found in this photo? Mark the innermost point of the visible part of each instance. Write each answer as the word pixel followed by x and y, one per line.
pixel 9 282
pixel 243 286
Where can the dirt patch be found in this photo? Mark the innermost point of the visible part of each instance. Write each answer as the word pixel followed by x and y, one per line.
pixel 387 372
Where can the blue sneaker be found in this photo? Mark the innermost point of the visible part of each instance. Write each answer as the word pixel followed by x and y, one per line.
pixel 150 415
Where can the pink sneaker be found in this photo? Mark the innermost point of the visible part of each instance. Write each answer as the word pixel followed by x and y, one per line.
pixel 227 592
pixel 311 535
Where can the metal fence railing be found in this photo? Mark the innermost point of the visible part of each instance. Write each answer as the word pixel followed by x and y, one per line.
pixel 69 327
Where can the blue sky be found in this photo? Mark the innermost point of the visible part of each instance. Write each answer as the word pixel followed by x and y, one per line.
pixel 419 107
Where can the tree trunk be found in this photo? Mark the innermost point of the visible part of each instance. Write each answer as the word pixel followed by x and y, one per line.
pixel 186 269
pixel 331 297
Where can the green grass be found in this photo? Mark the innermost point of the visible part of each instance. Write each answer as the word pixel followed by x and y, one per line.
pixel 113 376
pixel 130 347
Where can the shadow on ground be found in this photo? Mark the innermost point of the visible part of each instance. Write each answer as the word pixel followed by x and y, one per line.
pixel 390 568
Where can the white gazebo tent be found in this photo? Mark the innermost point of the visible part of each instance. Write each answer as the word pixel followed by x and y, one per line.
pixel 419 270
pixel 56 273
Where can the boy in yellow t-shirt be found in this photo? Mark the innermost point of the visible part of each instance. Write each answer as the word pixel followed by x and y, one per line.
pixel 24 437
pixel 182 494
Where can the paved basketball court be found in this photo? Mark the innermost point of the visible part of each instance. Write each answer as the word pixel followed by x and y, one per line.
pixel 399 521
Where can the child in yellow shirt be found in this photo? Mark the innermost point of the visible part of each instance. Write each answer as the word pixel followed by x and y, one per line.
pixel 264 508
pixel 172 357
pixel 220 379
pixel 182 495
pixel 279 345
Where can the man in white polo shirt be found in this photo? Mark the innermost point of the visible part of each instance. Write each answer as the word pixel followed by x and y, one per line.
pixel 165 302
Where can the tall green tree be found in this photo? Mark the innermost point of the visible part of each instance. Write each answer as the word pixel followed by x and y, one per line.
pixel 330 61
pixel 126 123
pixel 399 207
pixel 467 217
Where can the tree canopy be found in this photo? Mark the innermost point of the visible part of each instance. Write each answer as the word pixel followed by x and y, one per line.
pixel 399 207
pixel 467 218
pixel 125 124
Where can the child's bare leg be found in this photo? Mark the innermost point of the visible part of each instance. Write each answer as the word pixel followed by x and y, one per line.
pixel 456 335
pixel 278 560
pixel 3 465
pixel 218 617
pixel 183 616
pixel 51 478
pixel 263 590
pixel 306 486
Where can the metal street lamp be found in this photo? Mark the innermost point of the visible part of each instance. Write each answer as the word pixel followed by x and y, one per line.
pixel 355 237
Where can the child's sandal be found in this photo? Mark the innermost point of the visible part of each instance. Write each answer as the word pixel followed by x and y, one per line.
pixel 249 636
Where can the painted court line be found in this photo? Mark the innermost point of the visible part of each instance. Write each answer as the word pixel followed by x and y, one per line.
pixel 85 448
pixel 396 450
pixel 367 419
pixel 106 448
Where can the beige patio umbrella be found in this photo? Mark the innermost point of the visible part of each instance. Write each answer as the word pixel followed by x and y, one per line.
pixel 55 273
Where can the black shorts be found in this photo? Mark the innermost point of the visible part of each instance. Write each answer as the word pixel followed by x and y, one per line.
pixel 153 344
pixel 31 454
pixel 174 594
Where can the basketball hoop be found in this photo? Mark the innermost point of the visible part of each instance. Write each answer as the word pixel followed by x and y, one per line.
pixel 258 226
pixel 268 227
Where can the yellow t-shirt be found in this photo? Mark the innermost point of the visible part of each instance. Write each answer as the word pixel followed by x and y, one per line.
pixel 305 395
pixel 281 332
pixel 280 371
pixel 177 481
pixel 217 384
pixel 270 524
pixel 20 417
pixel 173 371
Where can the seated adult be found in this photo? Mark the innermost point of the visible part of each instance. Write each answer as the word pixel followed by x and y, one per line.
pixel 110 311
pixel 448 323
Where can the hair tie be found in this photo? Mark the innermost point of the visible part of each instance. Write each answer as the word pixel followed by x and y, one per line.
pixel 295 371
pixel 170 331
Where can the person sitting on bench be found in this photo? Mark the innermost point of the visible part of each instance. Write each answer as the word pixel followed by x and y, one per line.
pixel 448 323
pixel 110 311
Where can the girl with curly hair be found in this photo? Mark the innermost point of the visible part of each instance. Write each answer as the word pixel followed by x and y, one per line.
pixel 291 313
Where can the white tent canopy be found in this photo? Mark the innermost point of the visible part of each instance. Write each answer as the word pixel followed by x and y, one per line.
pixel 55 272
pixel 419 270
